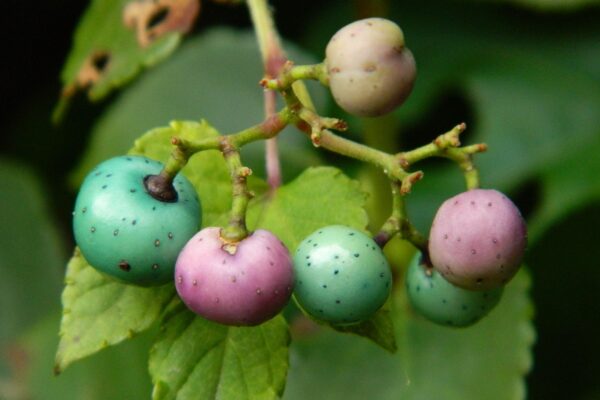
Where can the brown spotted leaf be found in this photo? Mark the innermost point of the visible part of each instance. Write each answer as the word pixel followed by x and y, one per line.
pixel 116 39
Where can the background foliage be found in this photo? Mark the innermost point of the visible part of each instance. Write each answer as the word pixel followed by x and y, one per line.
pixel 524 75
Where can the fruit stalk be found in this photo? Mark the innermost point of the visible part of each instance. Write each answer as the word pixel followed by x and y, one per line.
pixel 399 223
pixel 447 145
pixel 236 229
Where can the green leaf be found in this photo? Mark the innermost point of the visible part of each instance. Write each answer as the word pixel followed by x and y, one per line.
pixel 99 312
pixel 31 253
pixel 572 185
pixel 379 328
pixel 197 359
pixel 486 361
pixel 213 76
pixel 299 208
pixel 117 373
pixel 105 46
pixel 455 364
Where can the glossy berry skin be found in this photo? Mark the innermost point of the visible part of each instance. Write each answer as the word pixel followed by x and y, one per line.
pixel 248 287
pixel 370 71
pixel 443 303
pixel 478 239
pixel 342 276
pixel 124 232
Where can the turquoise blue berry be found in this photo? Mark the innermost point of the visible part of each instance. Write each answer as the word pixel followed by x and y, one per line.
pixel 443 303
pixel 342 276
pixel 123 231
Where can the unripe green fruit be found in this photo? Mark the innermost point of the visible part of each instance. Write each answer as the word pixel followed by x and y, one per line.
pixel 370 71
pixel 443 303
pixel 126 233
pixel 341 274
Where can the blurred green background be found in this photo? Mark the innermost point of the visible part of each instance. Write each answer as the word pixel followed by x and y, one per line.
pixel 523 74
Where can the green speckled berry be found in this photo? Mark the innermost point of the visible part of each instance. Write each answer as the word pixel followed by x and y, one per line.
pixel 443 303
pixel 342 276
pixel 124 232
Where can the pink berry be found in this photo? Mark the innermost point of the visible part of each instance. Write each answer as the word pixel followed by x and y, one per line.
pixel 245 284
pixel 371 72
pixel 478 239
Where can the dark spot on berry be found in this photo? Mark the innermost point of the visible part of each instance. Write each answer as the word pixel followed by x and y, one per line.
pixel 271 263
pixel 132 190
pixel 418 288
pixel 446 236
pixel 444 301
pixel 128 159
pixel 134 222
pixel 324 286
pixel 309 241
pixel 479 281
pixel 449 322
pixel 200 239
pixel 104 186
pixel 233 278
pixel 156 243
pixel 123 219
pixel 387 284
pixel 315 245
pixel 373 248
pixel 498 256
pixel 98 173
pixel 473 251
pixel 108 175
pixel 356 255
pixel 124 266
pixel 495 241
pixel 458 239
pixel 485 295
pixel 307 257
pixel 464 307
pixel 489 204
pixel 336 256
pixel 224 261
pixel 92 229
pixel 455 202
pixel 472 203
pixel 381 275
pixel 170 235
pixel 431 285
pixel 321 311
pixel 84 210
pixel 338 301
pixel 153 208
pixel 115 232
pixel 146 161
pixel 351 234
pixel 501 266
pixel 320 232
pixel 308 264
pixel 337 271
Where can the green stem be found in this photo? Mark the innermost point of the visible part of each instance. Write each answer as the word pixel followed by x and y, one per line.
pixel 399 223
pixel 447 146
pixel 236 229
pixel 293 73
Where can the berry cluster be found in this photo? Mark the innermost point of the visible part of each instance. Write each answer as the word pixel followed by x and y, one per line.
pixel 137 219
